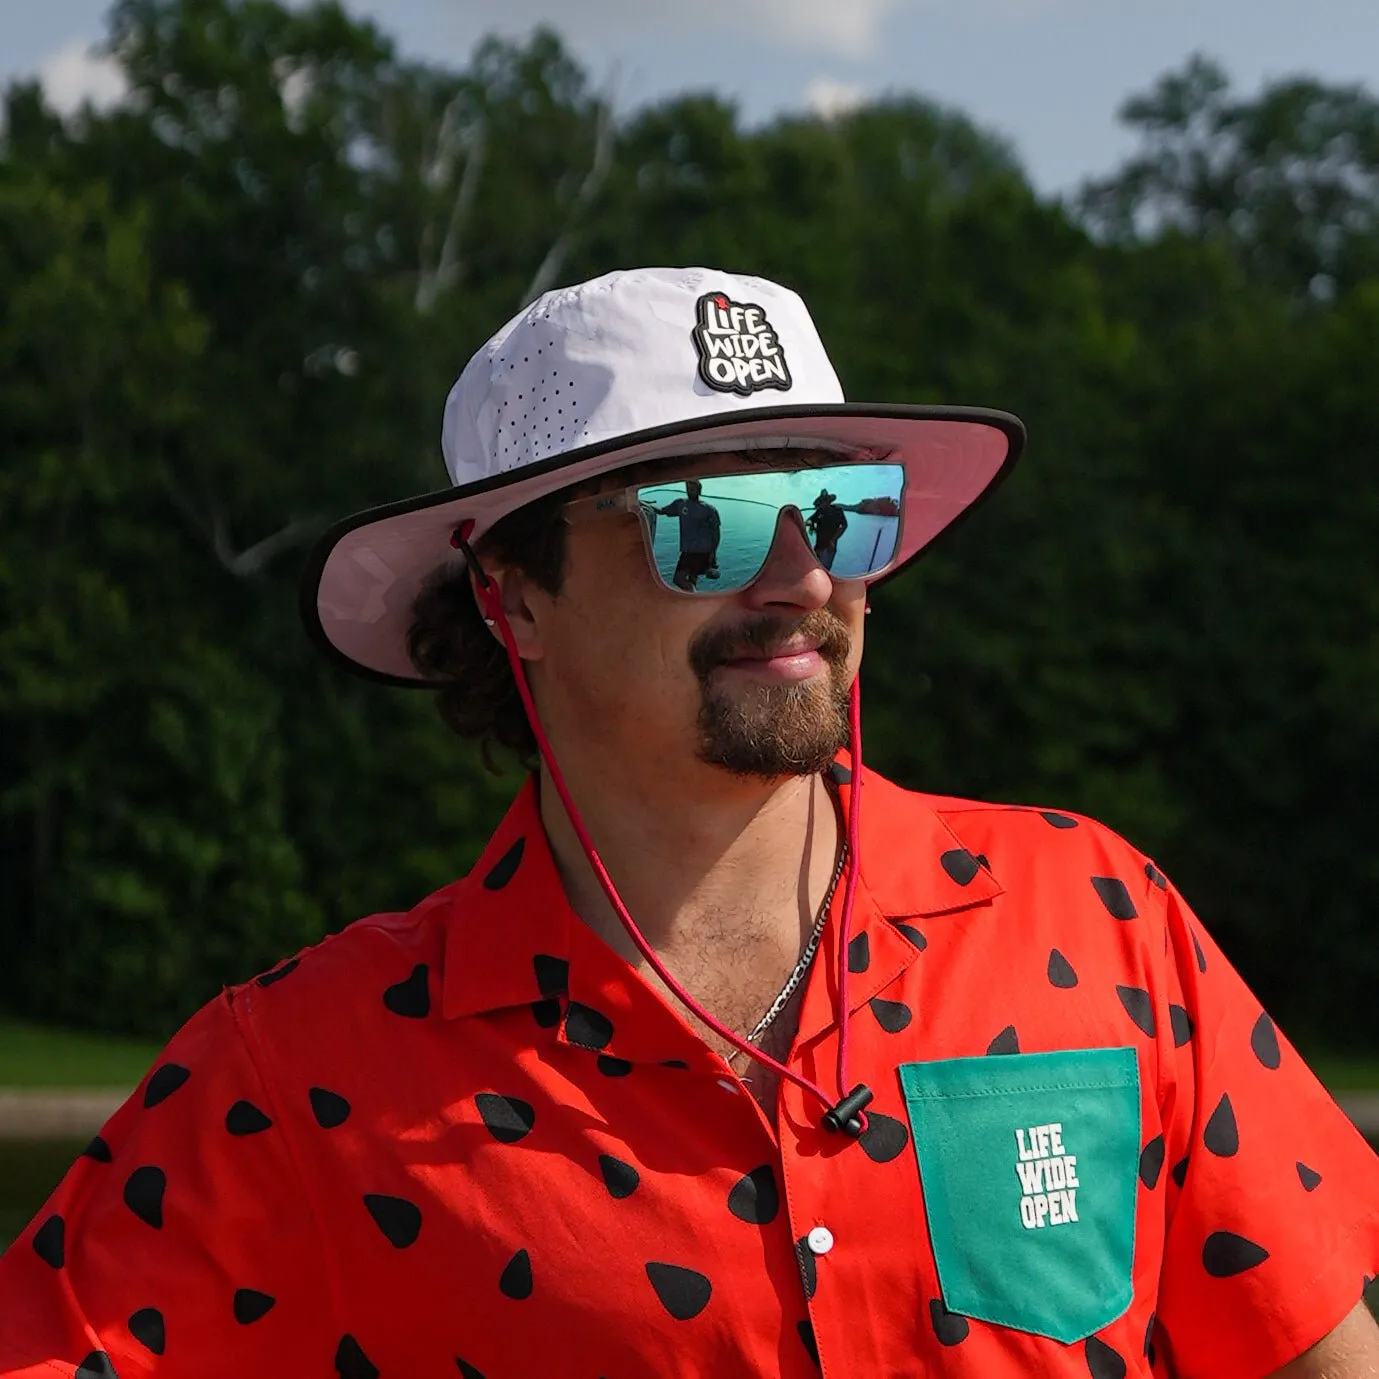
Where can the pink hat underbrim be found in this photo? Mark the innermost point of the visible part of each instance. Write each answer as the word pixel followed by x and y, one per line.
pixel 365 573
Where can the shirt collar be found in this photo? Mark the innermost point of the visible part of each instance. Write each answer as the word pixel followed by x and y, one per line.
pixel 512 938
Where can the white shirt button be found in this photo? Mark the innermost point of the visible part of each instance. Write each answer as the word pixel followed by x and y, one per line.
pixel 820 1240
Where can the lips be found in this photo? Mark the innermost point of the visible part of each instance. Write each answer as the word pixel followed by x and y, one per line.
pixel 801 646
pixel 769 640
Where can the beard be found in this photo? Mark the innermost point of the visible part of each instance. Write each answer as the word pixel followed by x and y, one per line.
pixel 769 731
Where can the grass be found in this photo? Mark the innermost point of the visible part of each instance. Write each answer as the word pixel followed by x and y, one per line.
pixel 1346 1073
pixel 39 1056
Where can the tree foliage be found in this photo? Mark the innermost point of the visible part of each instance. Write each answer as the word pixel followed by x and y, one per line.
pixel 230 308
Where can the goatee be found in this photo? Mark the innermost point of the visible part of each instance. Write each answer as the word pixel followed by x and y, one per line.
pixel 769 730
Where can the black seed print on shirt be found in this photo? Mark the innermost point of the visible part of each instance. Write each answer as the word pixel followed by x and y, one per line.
pixel 547 1013
pixel 1179 1171
pixel 1308 1177
pixel 516 1281
pixel 411 998
pixel 754 1197
pixel 1222 1136
pixel 809 1267
pixel 552 974
pixel 884 1138
pixel 1112 892
pixel 508 1118
pixel 859 954
pixel 99 1151
pixel 982 861
pixel 1226 1254
pixel 949 1327
pixel 1149 1341
pixel 805 1329
pixel 674 1063
pixel 1152 1162
pixel 146 1326
pixel 892 1016
pixel 96 1366
pixel 619 1178
pixel 48 1242
pixel 468 1371
pixel 914 936
pixel 1155 876
pixel 1057 820
pixel 396 1217
pixel 586 1027
pixel 244 1118
pixel 351 1362
pixel 959 864
pixel 1182 1025
pixel 684 1293
pixel 1264 1042
pixel 1201 956
pixel 143 1194
pixel 505 868
pixel 250 1305
pixel 278 973
pixel 1138 1007
pixel 329 1108
pixel 164 1082
pixel 1061 972
pixel 613 1067
pixel 840 773
pixel 1007 1041
pixel 1102 1361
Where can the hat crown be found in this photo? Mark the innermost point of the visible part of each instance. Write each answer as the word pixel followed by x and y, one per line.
pixel 629 352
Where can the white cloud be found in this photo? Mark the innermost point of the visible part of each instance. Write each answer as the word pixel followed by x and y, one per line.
pixel 850 28
pixel 75 74
pixel 830 98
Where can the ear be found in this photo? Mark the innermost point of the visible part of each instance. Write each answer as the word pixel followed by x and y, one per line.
pixel 513 592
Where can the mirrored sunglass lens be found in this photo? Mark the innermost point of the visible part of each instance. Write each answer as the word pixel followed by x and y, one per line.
pixel 853 517
pixel 712 536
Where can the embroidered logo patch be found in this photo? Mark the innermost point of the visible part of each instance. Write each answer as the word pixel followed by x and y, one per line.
pixel 739 351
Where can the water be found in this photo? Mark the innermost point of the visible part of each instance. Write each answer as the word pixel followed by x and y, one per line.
pixel 746 532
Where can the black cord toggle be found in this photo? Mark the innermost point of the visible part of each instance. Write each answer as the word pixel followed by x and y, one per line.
pixel 845 1115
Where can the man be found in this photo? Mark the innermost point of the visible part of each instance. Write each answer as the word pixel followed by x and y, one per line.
pixel 729 1058
pixel 826 524
pixel 699 532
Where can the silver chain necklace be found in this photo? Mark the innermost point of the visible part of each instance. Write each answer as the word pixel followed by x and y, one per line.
pixel 810 948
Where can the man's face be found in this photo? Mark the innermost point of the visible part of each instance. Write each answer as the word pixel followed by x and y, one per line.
pixel 755 682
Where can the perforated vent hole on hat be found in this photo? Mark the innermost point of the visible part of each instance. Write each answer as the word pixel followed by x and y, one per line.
pixel 544 418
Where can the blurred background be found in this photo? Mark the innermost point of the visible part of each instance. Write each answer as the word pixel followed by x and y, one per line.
pixel 245 247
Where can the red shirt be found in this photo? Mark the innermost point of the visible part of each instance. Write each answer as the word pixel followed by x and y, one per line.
pixel 470 1139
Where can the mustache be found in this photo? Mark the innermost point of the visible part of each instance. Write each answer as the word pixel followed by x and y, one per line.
pixel 716 645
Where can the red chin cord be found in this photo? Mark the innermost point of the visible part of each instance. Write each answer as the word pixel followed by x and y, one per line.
pixel 845 1113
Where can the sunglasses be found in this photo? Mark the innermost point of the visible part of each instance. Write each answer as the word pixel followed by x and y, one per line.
pixel 712 534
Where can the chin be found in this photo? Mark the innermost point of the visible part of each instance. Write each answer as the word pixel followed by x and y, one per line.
pixel 775 731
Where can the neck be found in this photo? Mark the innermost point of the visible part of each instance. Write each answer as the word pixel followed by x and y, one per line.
pixel 708 876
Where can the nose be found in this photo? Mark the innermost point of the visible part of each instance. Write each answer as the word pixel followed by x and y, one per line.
pixel 792 574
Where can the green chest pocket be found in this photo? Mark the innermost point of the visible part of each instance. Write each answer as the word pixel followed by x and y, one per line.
pixel 1028 1164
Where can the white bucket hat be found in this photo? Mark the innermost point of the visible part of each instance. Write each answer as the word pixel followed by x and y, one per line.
pixel 632 366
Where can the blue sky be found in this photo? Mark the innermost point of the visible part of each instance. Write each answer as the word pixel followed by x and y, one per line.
pixel 1046 74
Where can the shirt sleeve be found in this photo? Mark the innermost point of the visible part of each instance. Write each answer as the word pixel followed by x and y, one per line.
pixel 1272 1195
pixel 181 1242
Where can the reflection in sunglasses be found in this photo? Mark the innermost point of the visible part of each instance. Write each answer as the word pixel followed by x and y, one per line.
pixel 725 524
